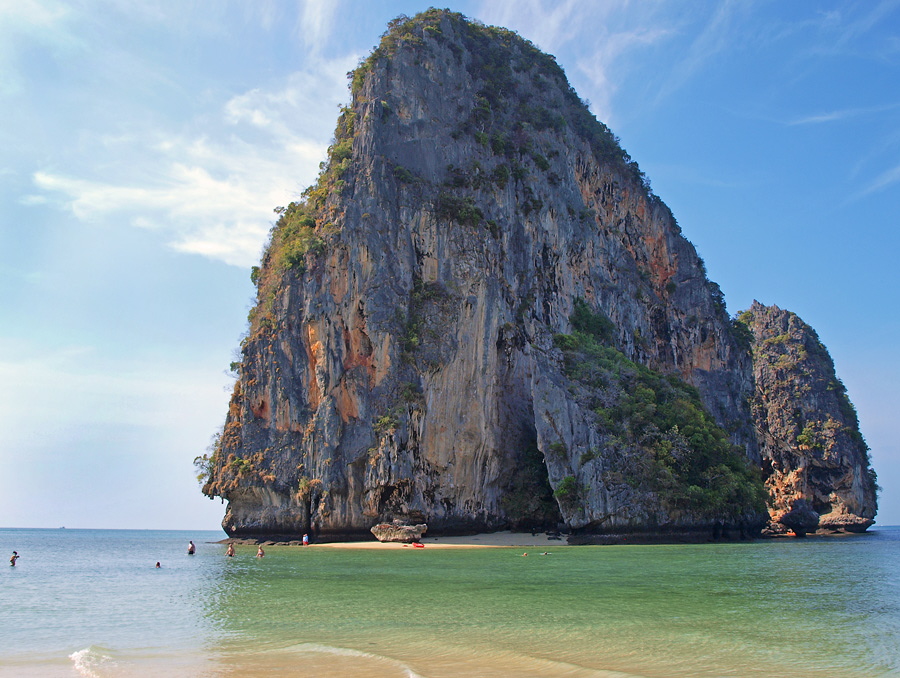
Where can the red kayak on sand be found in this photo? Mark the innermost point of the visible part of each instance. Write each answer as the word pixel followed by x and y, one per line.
pixel 418 545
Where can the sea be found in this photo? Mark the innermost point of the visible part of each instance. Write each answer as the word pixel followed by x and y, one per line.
pixel 92 603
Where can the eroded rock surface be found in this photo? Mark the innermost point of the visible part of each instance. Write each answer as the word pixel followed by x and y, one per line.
pixel 398 532
pixel 800 519
pixel 416 351
pixel 809 433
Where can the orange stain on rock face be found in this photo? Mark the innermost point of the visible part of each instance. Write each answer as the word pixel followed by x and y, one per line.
pixel 260 408
pixel 315 352
pixel 345 402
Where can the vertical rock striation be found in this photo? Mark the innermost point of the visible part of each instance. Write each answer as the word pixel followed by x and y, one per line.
pixel 480 317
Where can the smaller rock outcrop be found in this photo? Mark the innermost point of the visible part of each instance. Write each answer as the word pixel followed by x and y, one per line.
pixel 397 531
pixel 811 444
pixel 846 522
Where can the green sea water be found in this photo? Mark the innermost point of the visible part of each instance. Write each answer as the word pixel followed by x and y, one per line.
pixel 90 603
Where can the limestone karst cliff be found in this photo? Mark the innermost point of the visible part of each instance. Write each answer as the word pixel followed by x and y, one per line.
pixel 808 429
pixel 480 317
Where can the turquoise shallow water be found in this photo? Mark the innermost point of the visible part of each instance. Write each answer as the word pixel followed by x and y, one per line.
pixel 91 603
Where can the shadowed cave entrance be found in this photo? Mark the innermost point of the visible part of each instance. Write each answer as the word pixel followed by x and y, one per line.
pixel 528 499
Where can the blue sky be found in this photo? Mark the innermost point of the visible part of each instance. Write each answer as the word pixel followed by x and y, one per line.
pixel 143 147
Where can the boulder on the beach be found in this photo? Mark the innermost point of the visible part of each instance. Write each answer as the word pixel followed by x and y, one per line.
pixel 399 532
pixel 801 518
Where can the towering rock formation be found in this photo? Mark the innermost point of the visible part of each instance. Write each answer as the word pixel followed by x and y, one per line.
pixel 808 427
pixel 480 317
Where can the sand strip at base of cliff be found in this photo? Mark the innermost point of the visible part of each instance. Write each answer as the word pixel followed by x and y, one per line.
pixel 487 540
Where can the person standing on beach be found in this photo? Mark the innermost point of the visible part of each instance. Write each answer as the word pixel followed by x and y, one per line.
pixel 230 551
pixel 191 548
pixel 13 558
pixel 306 540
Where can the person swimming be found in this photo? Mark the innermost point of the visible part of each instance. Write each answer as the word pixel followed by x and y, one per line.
pixel 260 553
pixel 191 548
pixel 230 551
pixel 13 558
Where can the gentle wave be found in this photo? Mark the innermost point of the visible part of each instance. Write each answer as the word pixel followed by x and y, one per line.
pixel 317 648
pixel 561 668
pixel 537 665
pixel 92 662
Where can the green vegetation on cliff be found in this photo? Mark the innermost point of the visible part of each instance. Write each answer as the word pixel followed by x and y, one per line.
pixel 294 237
pixel 303 228
pixel 665 441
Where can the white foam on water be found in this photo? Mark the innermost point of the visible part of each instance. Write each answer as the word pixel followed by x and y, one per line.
pixel 92 662
pixel 317 648
pixel 500 663
pixel 562 668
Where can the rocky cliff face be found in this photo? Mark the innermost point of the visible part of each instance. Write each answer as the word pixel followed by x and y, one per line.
pixel 481 318
pixel 809 432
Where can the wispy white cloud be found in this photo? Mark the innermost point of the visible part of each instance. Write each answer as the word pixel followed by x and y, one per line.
pixel 312 22
pixel 842 114
pixel 872 14
pixel 847 29
pixel 224 219
pixel 714 39
pixel 823 117
pixel 35 22
pixel 600 65
pixel 881 182
pixel 212 192
pixel 316 22
pixel 606 34
pixel 312 93
pixel 549 26
pixel 32 15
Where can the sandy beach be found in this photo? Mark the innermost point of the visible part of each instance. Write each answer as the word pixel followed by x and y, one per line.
pixel 487 540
